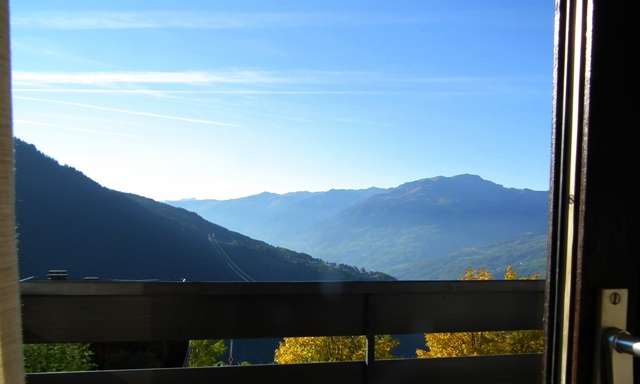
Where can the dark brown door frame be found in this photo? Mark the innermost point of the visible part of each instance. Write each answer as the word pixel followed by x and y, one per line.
pixel 590 222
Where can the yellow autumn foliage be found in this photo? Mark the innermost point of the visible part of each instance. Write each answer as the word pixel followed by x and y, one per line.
pixel 483 343
pixel 297 350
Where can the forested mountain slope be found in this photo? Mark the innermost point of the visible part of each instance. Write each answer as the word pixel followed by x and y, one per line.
pixel 66 220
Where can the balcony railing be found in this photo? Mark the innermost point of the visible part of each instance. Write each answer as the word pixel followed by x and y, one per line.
pixel 70 311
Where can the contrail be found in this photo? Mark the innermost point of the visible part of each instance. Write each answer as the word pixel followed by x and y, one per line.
pixel 129 112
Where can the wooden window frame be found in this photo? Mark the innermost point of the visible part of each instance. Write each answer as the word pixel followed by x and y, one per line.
pixel 589 246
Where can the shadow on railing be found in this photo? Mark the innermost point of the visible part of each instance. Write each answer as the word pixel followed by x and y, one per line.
pixel 96 311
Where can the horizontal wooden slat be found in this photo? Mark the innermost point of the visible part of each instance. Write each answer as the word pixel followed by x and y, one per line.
pixel 521 369
pixel 511 369
pixel 456 311
pixel 115 287
pixel 118 311
pixel 334 373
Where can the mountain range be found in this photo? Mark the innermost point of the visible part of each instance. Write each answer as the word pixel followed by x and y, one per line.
pixel 66 220
pixel 426 229
pixel 431 228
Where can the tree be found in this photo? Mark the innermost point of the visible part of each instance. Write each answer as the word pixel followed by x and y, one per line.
pixel 206 353
pixel 296 350
pixel 58 357
pixel 483 343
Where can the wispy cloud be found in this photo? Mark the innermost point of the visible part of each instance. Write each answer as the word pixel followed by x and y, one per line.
pixel 64 118
pixel 174 77
pixel 128 112
pixel 204 20
pixel 23 122
pixel 227 81
pixel 262 83
pixel 167 92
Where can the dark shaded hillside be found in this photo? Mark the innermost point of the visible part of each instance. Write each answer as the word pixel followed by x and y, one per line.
pixel 395 230
pixel 66 220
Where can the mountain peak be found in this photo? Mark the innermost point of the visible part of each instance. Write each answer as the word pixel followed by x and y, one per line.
pixel 461 178
pixel 449 186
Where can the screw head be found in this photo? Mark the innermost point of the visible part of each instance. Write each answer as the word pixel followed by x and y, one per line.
pixel 615 298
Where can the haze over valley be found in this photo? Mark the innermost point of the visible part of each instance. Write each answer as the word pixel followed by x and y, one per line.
pixel 464 221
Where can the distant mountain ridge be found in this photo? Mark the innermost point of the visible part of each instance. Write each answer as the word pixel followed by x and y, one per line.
pixel 66 220
pixel 277 215
pixel 395 230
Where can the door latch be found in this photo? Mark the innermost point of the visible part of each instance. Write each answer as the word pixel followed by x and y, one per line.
pixel 617 347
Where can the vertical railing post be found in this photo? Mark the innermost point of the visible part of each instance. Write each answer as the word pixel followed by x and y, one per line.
pixel 370 352
pixel 370 356
pixel 230 362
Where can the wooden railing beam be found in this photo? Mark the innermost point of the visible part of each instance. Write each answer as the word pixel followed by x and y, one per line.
pixel 104 311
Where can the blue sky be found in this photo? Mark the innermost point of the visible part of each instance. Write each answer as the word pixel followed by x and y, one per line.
pixel 177 99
